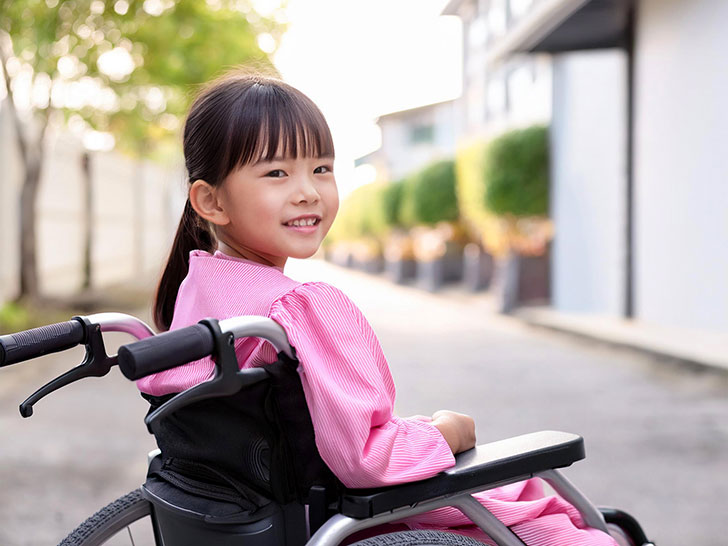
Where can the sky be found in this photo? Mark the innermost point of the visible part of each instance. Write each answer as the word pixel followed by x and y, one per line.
pixel 358 60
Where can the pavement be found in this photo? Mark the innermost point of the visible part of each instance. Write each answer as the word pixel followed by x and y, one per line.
pixel 694 348
pixel 656 434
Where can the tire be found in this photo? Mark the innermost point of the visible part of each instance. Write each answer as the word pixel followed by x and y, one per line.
pixel 620 535
pixel 419 538
pixel 108 521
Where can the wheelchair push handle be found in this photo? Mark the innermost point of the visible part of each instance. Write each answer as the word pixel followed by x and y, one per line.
pixel 36 342
pixel 176 347
pixel 164 351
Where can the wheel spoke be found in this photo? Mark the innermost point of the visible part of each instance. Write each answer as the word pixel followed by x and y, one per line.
pixel 131 538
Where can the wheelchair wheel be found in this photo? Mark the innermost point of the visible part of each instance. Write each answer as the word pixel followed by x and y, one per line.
pixel 126 521
pixel 419 538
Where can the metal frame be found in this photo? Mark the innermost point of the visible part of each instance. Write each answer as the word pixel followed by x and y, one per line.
pixel 339 526
pixel 255 326
pixel 121 322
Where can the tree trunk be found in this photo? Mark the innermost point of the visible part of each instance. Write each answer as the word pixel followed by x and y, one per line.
pixel 139 202
pixel 32 155
pixel 88 218
pixel 29 287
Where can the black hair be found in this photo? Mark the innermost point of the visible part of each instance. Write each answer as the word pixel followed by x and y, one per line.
pixel 236 120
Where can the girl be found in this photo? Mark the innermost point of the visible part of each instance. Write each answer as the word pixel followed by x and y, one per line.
pixel 260 160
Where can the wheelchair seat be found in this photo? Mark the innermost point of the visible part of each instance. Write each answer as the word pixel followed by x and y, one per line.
pixel 288 497
pixel 186 519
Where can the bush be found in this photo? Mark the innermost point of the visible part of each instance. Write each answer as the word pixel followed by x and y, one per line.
pixel 350 222
pixel 429 196
pixel 369 211
pixel 470 187
pixel 381 209
pixel 516 173
pixel 391 203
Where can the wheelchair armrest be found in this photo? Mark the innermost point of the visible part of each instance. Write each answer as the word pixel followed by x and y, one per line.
pixel 477 469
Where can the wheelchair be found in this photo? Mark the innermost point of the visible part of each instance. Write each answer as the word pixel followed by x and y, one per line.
pixel 285 496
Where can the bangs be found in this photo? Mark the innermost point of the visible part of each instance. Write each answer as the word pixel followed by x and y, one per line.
pixel 275 120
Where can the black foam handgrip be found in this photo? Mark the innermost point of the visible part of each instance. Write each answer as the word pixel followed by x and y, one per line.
pixel 164 351
pixel 33 343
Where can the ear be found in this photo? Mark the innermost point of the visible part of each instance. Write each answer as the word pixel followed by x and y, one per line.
pixel 203 198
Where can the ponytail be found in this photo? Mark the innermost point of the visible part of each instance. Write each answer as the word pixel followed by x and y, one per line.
pixel 192 234
pixel 235 121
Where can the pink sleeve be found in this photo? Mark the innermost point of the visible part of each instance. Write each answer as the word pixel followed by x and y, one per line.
pixel 350 394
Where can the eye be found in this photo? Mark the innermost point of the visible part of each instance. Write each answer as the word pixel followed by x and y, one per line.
pixel 322 169
pixel 276 173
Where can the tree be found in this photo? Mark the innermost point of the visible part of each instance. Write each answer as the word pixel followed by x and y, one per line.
pixel 124 66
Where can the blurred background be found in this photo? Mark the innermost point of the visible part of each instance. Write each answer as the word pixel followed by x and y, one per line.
pixel 548 163
pixel 572 147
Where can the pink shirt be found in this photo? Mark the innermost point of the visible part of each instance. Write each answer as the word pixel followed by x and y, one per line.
pixel 345 376
pixel 350 395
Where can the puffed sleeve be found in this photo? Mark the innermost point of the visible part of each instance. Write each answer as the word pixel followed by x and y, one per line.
pixel 350 393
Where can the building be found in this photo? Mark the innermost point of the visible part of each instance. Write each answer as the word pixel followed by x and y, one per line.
pixel 499 92
pixel 638 122
pixel 413 138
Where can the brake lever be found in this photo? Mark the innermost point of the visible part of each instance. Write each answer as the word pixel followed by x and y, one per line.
pixel 227 380
pixel 96 363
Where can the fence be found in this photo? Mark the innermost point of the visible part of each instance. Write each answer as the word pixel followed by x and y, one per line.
pixel 134 208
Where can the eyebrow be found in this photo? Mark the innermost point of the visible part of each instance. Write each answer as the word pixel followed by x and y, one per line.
pixel 280 158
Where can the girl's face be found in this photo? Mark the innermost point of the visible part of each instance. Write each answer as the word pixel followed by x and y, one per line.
pixel 275 209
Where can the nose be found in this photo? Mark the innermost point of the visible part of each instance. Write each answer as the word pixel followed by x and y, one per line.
pixel 306 191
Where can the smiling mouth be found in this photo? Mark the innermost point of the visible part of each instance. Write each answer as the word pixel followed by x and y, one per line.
pixel 303 222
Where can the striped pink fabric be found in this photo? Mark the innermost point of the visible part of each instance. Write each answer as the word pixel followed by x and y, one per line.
pixel 350 394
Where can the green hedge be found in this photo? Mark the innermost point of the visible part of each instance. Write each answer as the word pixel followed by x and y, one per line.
pixel 470 185
pixel 369 211
pixel 391 203
pixel 516 173
pixel 428 196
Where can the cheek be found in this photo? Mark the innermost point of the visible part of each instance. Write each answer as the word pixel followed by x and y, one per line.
pixel 265 206
pixel 333 200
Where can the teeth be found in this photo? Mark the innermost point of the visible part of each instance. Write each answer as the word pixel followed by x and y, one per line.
pixel 305 222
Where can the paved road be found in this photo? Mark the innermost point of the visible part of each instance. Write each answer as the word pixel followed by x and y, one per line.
pixel 656 436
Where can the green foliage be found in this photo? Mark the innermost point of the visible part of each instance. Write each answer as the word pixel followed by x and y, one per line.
pixel 470 184
pixel 516 173
pixel 186 44
pixel 351 222
pixel 391 203
pixel 16 317
pixel 369 211
pixel 381 212
pixel 429 195
pixel 13 318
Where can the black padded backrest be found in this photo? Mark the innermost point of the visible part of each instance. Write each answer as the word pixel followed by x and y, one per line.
pixel 262 436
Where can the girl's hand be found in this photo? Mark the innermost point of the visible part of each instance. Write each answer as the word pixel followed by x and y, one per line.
pixel 457 429
pixel 418 417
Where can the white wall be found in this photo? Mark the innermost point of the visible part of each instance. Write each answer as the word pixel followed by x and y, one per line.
pixel 10 180
pixel 136 205
pixel 404 156
pixel 681 163
pixel 588 182
pixel 59 221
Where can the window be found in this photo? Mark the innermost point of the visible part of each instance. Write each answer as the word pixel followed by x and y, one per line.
pixel 420 134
